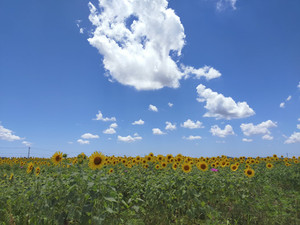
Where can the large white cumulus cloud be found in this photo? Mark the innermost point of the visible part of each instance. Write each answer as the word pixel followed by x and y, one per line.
pixel 222 107
pixel 262 128
pixel 139 40
pixel 136 38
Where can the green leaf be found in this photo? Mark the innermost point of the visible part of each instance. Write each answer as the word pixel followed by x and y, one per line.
pixel 109 210
pixel 136 208
pixel 110 199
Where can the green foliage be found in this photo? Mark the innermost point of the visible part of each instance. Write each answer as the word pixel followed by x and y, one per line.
pixel 79 195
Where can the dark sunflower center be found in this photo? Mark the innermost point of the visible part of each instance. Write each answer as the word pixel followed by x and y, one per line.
pixel 203 166
pixel 186 167
pixel 234 167
pixel 57 158
pixel 249 172
pixel 97 160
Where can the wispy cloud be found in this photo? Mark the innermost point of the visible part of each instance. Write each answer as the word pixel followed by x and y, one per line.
pixel 129 138
pixel 223 4
pixel 99 116
pixel 26 143
pixel 247 140
pixel 191 138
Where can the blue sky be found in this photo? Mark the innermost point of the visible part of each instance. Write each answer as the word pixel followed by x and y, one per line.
pixel 230 70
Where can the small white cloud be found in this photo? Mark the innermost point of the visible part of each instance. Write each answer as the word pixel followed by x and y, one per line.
pixel 207 72
pixel 217 131
pixel 136 134
pixel 83 142
pixel 170 126
pixel 298 126
pixel 28 144
pixel 157 131
pixel 267 137
pixel 289 98
pixel 109 131
pixel 282 104
pixel 99 116
pixel 153 108
pixel 298 86
pixel 89 136
pixel 223 4
pixel 170 104
pixel 294 138
pixel 81 30
pixel 138 122
pixel 191 137
pixel 192 125
pixel 299 119
pixel 129 138
pixel 262 128
pixel 70 142
pixel 222 107
pixel 113 125
pixel 247 140
pixel 7 135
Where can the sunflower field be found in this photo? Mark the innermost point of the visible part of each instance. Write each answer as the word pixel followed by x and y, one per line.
pixel 152 189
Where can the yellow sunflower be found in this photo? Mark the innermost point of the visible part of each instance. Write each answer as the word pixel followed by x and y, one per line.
pixel 37 171
pixel 202 166
pixel 75 160
pixel 96 160
pixel 146 166
pixel 11 176
pixel 186 167
pixel 160 157
pixel 234 167
pixel 269 165
pixel 157 166
pixel 163 164
pixel 57 157
pixel 249 172
pixel 174 166
pixel 30 167
pixel 169 156
pixel 111 171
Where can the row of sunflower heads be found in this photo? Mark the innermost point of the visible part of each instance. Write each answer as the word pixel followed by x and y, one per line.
pixel 31 169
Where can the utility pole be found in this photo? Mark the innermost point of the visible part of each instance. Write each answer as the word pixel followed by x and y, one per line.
pixel 28 152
